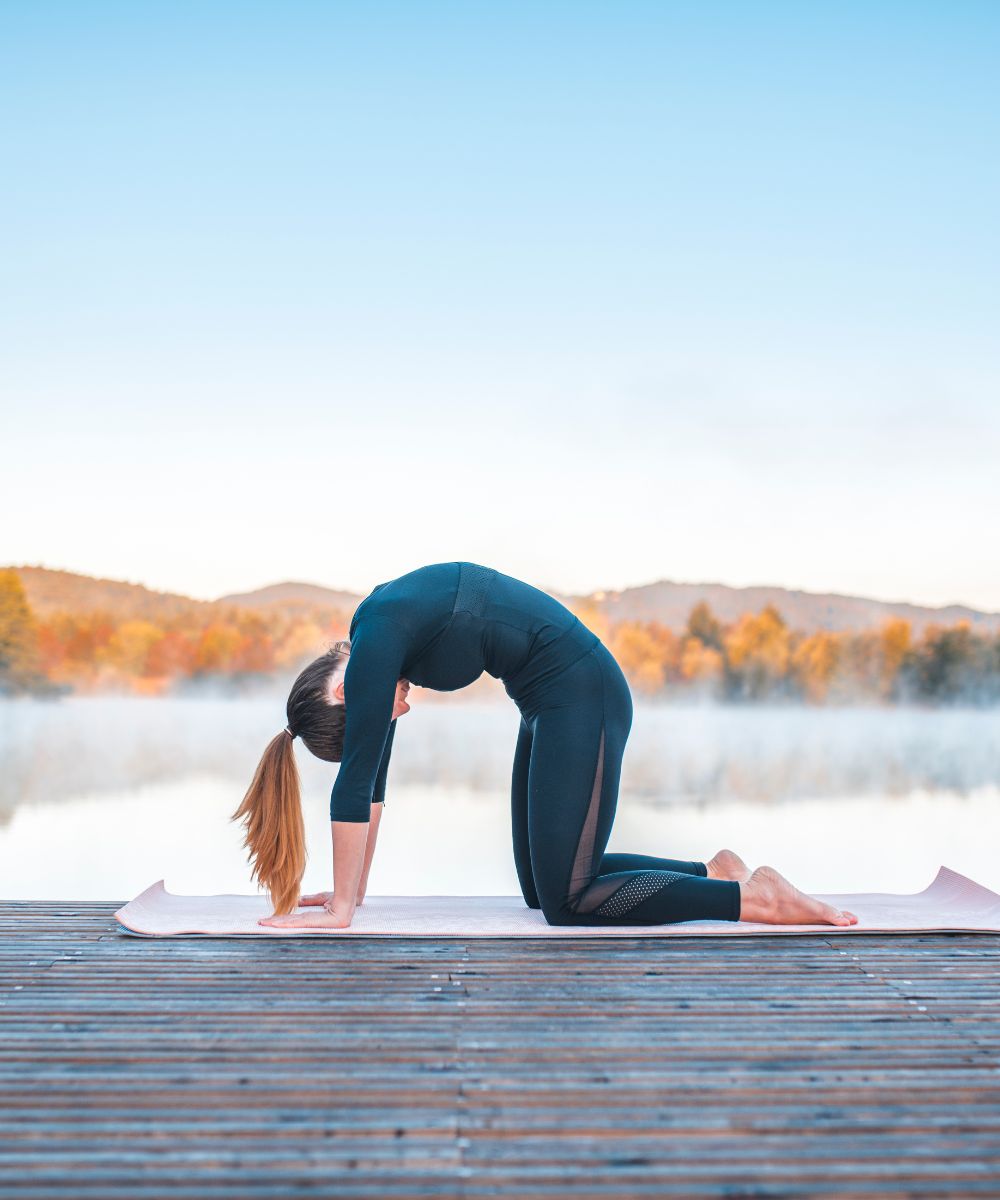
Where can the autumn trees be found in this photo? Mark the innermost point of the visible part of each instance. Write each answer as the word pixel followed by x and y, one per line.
pixel 757 658
pixel 20 661
pixel 103 649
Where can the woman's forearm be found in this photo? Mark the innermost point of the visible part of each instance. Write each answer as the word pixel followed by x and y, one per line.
pixel 349 842
pixel 373 825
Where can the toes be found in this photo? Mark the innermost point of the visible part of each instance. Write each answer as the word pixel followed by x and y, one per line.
pixel 845 918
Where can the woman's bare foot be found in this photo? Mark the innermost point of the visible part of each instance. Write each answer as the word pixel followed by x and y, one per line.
pixel 727 864
pixel 768 897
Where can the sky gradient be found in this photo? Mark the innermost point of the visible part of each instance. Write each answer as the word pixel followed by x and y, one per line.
pixel 594 293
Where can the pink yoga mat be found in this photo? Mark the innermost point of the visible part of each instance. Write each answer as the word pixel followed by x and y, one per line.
pixel 950 904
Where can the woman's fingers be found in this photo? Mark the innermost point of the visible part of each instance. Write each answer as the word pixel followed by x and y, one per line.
pixel 316 898
pixel 316 920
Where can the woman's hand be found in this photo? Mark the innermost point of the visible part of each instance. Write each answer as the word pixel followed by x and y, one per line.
pixel 331 916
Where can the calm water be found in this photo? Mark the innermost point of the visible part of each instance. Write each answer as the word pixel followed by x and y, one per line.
pixel 100 797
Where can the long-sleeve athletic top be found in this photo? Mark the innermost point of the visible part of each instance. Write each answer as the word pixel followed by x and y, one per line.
pixel 441 626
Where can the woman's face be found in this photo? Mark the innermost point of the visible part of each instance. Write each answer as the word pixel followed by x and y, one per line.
pixel 335 693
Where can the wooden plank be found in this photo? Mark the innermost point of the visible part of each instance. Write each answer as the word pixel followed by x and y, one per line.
pixel 847 1066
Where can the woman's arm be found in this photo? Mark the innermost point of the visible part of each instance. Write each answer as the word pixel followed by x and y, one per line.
pixel 374 666
pixel 327 898
pixel 353 852
pixel 378 791
pixel 378 650
pixel 350 840
pixel 375 810
pixel 373 825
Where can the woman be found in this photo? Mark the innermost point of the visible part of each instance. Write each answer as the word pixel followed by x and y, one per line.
pixel 440 627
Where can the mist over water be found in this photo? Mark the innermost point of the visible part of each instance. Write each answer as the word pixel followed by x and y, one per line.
pixel 101 796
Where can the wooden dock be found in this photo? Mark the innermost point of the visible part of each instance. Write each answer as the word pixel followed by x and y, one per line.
pixel 842 1066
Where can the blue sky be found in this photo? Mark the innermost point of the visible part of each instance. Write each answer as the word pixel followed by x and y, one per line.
pixel 593 293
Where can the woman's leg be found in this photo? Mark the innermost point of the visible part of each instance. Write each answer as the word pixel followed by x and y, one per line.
pixel 726 864
pixel 519 815
pixel 646 862
pixel 576 744
pixel 610 863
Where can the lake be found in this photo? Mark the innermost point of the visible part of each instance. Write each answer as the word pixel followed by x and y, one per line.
pixel 99 797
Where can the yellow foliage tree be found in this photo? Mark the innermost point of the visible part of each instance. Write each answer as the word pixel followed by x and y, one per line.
pixel 19 652
pixel 130 646
pixel 758 649
pixel 217 648
pixel 814 661
pixel 640 655
pixel 701 665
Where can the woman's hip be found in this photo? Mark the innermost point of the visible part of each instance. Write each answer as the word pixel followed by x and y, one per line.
pixel 594 683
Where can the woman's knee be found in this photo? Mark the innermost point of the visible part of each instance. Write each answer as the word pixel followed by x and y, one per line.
pixel 557 910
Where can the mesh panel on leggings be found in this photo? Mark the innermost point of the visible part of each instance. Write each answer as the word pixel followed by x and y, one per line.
pixel 583 860
pixel 639 888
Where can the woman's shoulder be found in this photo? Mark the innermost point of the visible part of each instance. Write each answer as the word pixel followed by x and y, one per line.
pixel 415 594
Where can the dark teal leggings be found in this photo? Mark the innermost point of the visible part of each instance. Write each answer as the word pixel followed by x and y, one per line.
pixel 564 792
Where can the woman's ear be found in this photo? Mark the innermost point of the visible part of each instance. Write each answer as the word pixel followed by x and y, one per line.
pixel 338 691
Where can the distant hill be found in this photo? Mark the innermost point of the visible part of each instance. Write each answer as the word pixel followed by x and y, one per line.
pixel 64 591
pixel 293 595
pixel 51 591
pixel 670 603
pixel 665 601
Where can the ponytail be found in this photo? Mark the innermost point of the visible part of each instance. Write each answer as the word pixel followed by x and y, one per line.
pixel 275 832
pixel 272 807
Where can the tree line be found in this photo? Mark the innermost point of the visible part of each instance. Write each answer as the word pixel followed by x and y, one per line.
pixel 759 658
pixel 99 651
pixel 754 659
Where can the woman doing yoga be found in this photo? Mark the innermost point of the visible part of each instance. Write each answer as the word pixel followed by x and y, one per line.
pixel 441 626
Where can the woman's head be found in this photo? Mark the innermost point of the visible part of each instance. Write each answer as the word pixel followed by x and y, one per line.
pixel 272 806
pixel 316 707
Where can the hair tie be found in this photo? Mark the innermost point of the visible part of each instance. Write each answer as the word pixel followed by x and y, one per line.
pixel 289 732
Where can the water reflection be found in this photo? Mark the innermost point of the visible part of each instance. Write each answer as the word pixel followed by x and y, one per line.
pixel 99 797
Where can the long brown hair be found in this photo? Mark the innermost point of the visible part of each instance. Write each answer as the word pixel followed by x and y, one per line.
pixel 272 806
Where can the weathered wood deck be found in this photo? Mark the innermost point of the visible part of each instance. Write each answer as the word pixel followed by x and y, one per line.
pixel 855 1066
